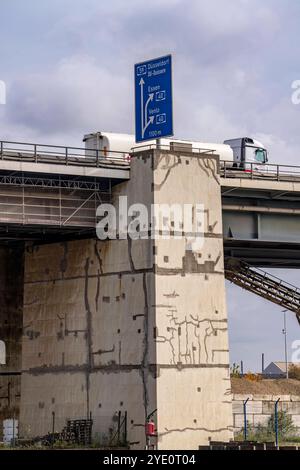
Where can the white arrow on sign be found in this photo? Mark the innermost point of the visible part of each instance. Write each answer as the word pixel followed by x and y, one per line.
pixel 151 119
pixel 145 122
pixel 148 101
pixel 142 83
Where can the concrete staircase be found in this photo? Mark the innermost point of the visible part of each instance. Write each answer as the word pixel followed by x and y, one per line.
pixel 263 284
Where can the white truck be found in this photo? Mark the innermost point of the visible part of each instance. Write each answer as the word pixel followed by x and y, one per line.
pixel 243 153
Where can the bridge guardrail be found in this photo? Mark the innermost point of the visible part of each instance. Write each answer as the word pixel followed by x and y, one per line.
pixel 252 170
pixel 57 154
pixel 176 148
pixel 78 156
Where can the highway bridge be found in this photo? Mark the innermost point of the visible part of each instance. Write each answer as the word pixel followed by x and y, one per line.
pixel 52 191
pixel 93 327
pixel 261 216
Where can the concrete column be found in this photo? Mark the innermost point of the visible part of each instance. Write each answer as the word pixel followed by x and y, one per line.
pixel 11 322
pixel 193 380
pixel 133 325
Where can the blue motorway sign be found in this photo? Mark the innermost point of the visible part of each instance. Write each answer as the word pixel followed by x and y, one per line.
pixel 153 99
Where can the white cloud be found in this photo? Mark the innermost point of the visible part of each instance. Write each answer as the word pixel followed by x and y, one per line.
pixel 77 96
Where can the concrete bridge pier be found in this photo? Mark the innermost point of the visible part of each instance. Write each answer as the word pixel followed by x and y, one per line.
pixel 11 325
pixel 133 325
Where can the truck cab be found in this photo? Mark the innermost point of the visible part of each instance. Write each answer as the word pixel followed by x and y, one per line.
pixel 248 154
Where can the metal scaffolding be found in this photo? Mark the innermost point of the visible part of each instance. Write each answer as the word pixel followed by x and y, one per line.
pixel 48 201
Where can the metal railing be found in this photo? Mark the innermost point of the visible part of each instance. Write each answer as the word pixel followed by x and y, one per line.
pixel 252 170
pixel 177 148
pixel 57 154
pixel 263 284
pixel 78 156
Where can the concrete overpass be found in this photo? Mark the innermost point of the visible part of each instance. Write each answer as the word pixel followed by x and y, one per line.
pixel 51 192
pixel 261 217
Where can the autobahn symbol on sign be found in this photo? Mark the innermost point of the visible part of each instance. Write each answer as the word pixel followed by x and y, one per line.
pixel 153 99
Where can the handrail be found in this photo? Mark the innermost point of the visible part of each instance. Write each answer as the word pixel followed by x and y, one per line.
pixel 80 156
pixel 262 273
pixel 58 154
pixel 273 278
pixel 254 170
pixel 177 148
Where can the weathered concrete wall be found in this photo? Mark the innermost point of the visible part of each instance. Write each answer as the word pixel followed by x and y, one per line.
pixel 11 323
pixel 85 339
pixel 193 386
pixel 261 407
pixel 133 325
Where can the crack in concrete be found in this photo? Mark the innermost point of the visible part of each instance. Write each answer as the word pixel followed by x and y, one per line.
pixel 88 333
pixel 189 355
pixel 132 267
pixel 104 351
pixel 209 166
pixel 64 260
pixel 91 276
pixel 115 368
pixel 169 431
pixel 145 365
pixel 99 271
pixel 158 186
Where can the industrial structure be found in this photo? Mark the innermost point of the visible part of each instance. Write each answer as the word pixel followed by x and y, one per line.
pixel 93 328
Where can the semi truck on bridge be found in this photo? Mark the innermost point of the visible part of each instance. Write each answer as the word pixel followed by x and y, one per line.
pixel 238 153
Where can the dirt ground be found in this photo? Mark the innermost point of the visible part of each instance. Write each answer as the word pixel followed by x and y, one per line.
pixel 266 386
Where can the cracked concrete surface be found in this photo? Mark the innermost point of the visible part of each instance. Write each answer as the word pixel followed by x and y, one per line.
pixel 133 325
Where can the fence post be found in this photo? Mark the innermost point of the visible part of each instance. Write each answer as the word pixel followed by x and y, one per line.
pixel 53 427
pixel 119 426
pixel 276 422
pixel 125 428
pixel 245 418
pixel 14 430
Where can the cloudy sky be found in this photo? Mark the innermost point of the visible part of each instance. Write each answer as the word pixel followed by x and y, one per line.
pixel 68 67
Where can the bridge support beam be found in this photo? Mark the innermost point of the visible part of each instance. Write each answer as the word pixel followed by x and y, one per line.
pixel 11 323
pixel 136 326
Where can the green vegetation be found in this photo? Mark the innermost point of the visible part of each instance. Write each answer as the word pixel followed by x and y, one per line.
pixel 235 370
pixel 287 432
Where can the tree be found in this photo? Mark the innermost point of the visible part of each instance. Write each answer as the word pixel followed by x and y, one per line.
pixel 285 424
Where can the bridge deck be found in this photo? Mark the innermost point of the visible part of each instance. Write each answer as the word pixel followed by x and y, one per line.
pixel 73 161
pixel 261 217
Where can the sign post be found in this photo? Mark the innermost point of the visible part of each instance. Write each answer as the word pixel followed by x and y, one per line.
pixel 153 99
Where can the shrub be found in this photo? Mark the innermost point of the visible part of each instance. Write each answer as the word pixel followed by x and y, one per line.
pixel 235 370
pixel 252 377
pixel 285 424
pixel 263 433
pixel 294 371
